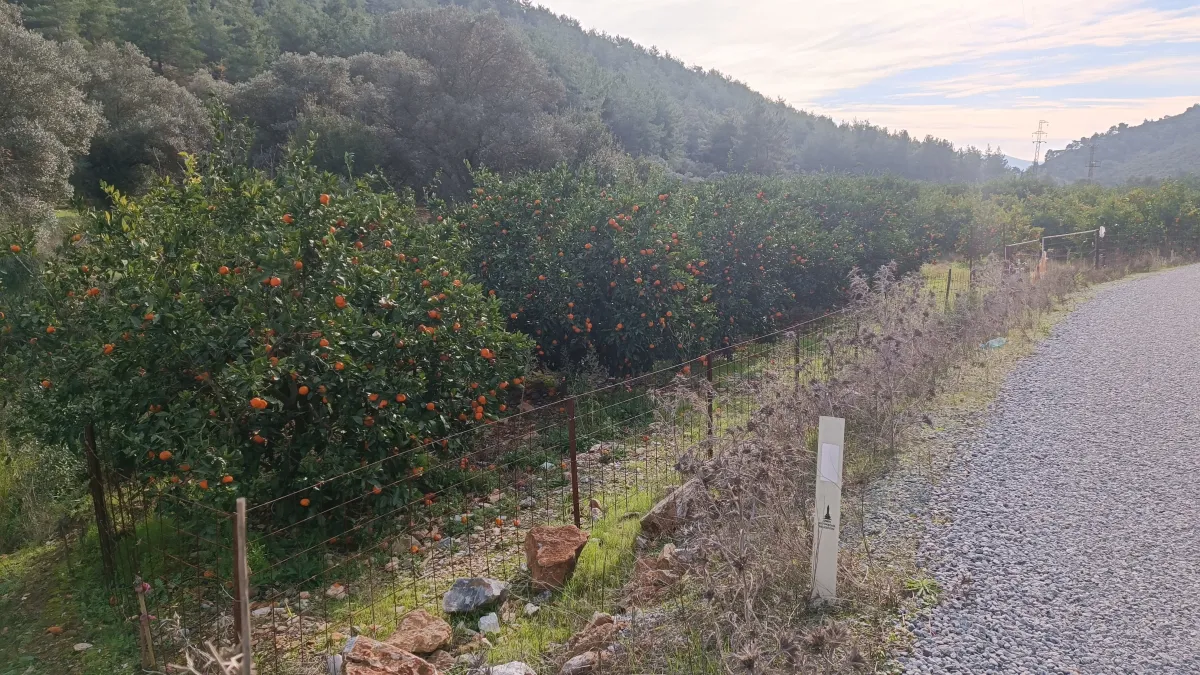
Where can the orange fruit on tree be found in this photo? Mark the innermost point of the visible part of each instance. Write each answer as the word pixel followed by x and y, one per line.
pixel 401 398
pixel 430 406
pixel 222 270
pixel 324 342
pixel 340 301
pixel 45 384
pixel 108 348
pixel 376 490
pixel 339 366
pixel 93 292
pixel 204 485
pixel 209 574
pixel 414 549
pixel 149 316
pixel 305 502
pixel 303 390
pixel 258 403
pixel 15 248
pixel 227 479
pixel 275 282
pixel 287 218
pixel 51 329
pixel 324 200
pixel 185 467
pixel 164 455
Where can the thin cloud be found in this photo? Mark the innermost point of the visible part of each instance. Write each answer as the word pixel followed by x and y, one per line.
pixel 890 58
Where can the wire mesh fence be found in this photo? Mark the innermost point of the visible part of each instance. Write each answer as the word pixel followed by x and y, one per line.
pixel 325 567
pixel 169 559
pixel 592 460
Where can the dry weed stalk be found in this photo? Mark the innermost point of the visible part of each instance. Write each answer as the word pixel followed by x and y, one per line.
pixel 878 368
pixel 209 661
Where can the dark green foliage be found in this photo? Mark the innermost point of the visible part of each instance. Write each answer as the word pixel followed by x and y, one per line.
pixel 148 122
pixel 45 121
pixel 502 83
pixel 1155 149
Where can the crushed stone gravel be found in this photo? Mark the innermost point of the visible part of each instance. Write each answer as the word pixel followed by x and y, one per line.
pixel 1066 538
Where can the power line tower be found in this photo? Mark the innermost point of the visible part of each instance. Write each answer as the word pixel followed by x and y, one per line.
pixel 1039 138
pixel 1091 160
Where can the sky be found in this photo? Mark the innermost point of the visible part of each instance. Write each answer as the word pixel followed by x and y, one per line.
pixel 976 72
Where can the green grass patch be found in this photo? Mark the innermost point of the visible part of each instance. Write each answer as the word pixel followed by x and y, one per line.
pixel 604 566
pixel 44 586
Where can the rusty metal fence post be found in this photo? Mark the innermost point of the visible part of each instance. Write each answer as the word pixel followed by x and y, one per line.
pixel 796 362
pixel 104 532
pixel 949 283
pixel 574 450
pixel 710 395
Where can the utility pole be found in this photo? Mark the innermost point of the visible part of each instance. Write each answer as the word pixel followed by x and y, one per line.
pixel 1039 138
pixel 1091 160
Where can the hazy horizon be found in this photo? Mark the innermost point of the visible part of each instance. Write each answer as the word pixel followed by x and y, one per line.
pixel 976 75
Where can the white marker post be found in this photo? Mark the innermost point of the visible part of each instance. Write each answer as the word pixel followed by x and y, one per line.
pixel 831 434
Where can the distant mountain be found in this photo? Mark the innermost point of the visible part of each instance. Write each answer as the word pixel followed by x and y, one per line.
pixel 1018 163
pixel 1155 149
pixel 583 89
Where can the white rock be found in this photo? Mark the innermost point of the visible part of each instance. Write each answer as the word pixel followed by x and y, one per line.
pixel 489 623
pixel 531 609
pixel 512 668
pixel 82 646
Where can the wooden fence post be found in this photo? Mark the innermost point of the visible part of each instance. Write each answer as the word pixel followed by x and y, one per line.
pixel 99 503
pixel 241 576
pixel 145 636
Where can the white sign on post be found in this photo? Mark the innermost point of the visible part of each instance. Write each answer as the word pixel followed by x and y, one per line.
pixel 831 434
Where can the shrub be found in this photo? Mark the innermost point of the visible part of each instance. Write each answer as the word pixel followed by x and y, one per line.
pixel 276 330
pixel 585 266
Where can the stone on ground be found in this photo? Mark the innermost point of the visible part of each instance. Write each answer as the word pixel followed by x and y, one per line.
pixel 369 657
pixel 684 504
pixel 552 553
pixel 469 595
pixel 420 632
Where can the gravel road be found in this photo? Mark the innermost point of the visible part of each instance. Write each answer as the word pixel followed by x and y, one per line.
pixel 1067 538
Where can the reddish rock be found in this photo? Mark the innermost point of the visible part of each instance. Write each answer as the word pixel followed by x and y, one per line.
pixel 420 632
pixel 552 553
pixel 585 663
pixel 369 657
pixel 600 632
pixel 687 503
pixel 442 660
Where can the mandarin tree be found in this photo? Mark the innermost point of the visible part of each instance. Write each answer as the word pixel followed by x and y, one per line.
pixel 275 330
pixel 585 264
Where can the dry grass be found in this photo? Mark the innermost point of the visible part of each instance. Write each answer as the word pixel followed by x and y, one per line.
pixel 743 604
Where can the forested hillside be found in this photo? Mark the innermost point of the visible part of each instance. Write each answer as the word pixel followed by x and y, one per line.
pixel 1155 149
pixel 418 87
